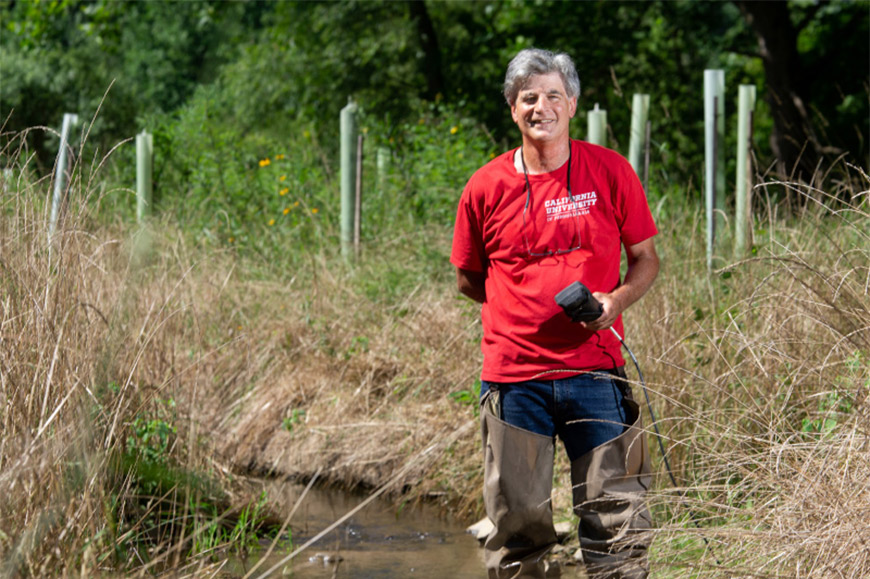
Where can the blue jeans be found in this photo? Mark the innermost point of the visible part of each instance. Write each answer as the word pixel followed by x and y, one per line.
pixel 584 411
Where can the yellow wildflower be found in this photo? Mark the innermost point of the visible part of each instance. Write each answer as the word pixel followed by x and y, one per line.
pixel 282 178
pixel 284 191
pixel 492 155
pixel 279 157
pixel 286 210
pixel 231 239
pixel 306 133
pixel 265 162
pixel 454 129
pixel 315 210
pixel 271 222
pixel 296 204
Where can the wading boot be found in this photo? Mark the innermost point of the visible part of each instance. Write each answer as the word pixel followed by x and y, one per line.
pixel 518 478
pixel 610 482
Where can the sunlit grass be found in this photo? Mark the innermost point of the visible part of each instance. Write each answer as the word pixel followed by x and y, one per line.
pixel 102 356
pixel 136 377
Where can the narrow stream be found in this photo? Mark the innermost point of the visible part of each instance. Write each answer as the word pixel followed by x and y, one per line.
pixel 379 541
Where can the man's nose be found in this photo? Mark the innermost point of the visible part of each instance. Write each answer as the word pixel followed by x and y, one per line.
pixel 541 106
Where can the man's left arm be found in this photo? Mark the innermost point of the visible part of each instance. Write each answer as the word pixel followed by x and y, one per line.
pixel 643 267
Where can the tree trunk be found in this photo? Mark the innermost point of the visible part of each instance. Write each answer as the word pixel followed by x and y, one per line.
pixel 431 50
pixel 793 140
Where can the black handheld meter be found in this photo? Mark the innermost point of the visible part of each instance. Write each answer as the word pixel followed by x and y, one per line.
pixel 578 303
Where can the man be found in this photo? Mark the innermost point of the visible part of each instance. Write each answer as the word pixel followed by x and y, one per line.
pixel 529 223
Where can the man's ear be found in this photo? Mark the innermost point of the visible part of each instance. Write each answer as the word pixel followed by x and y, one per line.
pixel 514 112
pixel 572 107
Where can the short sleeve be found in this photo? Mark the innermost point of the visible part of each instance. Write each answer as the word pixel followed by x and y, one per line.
pixel 468 246
pixel 635 220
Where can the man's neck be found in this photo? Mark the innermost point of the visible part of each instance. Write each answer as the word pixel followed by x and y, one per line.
pixel 543 157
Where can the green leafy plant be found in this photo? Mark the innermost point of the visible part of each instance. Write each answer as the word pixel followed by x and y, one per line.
pixel 831 408
pixel 213 531
pixel 469 397
pixel 297 415
pixel 153 434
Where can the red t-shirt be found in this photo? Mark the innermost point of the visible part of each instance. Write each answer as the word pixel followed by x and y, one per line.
pixel 525 333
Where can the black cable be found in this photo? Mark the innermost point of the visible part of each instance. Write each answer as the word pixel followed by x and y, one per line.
pixel 662 444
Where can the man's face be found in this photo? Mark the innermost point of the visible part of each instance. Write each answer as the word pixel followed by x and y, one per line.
pixel 542 110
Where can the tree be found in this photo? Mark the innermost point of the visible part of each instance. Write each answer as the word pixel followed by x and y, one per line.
pixel 798 69
pixel 62 55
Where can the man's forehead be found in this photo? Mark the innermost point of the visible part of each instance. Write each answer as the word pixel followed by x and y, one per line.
pixel 536 90
pixel 547 83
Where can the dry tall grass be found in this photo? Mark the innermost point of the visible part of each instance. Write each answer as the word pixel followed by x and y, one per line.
pixel 762 390
pixel 759 375
pixel 105 351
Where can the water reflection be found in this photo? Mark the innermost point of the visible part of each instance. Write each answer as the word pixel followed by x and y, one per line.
pixel 376 542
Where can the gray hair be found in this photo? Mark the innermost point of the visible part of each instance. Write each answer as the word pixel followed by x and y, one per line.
pixel 534 61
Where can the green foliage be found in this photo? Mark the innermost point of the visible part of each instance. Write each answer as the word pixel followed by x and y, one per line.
pixel 274 193
pixel 667 61
pixel 153 434
pixel 62 56
pixel 835 406
pixel 211 532
pixel 251 190
pixel 830 409
pixel 150 511
pixel 439 153
pixel 225 84
pixel 147 453
pixel 469 397
pixel 297 415
pixel 833 44
pixel 329 51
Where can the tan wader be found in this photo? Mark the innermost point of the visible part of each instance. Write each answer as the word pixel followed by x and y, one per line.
pixel 609 484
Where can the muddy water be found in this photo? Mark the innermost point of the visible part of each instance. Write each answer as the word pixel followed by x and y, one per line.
pixel 379 541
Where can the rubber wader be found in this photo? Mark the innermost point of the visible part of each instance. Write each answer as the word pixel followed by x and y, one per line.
pixel 609 486
pixel 610 482
pixel 518 478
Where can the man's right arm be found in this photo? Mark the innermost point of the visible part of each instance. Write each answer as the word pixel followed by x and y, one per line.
pixel 472 284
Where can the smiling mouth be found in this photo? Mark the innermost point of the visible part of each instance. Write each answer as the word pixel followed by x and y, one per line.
pixel 539 122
